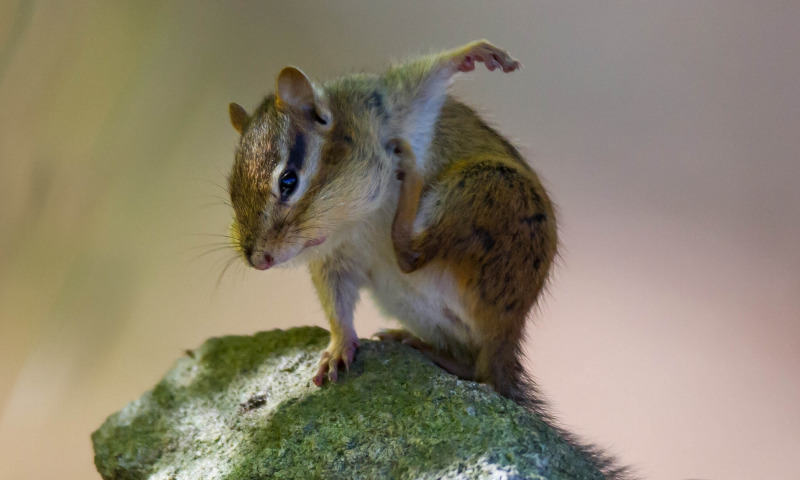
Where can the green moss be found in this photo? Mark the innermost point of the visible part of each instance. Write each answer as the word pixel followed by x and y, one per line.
pixel 244 408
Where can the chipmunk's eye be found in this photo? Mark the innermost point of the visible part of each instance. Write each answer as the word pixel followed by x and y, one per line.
pixel 321 119
pixel 287 183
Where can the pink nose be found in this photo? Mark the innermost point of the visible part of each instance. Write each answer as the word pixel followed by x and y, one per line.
pixel 266 262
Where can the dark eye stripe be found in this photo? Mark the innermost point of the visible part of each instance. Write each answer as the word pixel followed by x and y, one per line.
pixel 297 154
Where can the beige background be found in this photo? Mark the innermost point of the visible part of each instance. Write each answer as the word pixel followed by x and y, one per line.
pixel 667 132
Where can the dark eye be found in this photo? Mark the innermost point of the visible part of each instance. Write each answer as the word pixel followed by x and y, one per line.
pixel 287 183
pixel 322 120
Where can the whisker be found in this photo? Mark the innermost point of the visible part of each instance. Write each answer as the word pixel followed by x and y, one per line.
pixel 210 182
pixel 228 264
pixel 218 248
pixel 219 235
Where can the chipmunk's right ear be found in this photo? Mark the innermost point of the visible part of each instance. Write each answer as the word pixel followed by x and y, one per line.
pixel 294 88
pixel 238 116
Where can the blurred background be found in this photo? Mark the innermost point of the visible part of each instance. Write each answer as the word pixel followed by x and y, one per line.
pixel 667 132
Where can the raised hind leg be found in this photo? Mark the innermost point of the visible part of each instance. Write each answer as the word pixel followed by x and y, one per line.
pixel 419 88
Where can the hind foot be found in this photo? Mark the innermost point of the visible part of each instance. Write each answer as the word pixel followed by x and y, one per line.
pixel 483 51
pixel 446 362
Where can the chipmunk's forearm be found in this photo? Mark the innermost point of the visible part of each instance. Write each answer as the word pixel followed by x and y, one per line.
pixel 410 190
pixel 338 293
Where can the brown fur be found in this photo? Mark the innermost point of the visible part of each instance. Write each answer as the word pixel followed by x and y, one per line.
pixel 500 248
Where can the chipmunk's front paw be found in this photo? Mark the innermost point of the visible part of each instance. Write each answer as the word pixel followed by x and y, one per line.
pixel 483 51
pixel 337 353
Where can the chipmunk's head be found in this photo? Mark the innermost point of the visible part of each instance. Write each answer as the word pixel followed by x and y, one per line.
pixel 305 171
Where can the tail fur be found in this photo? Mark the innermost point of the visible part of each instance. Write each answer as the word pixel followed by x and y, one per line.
pixel 509 378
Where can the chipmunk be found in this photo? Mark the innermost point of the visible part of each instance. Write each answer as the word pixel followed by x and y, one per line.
pixel 388 183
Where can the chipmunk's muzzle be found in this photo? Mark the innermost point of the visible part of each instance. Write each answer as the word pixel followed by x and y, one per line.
pixel 261 261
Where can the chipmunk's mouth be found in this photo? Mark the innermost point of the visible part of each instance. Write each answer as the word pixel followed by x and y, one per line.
pixel 314 242
pixel 265 261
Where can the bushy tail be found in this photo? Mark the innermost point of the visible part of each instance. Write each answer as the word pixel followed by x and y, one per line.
pixel 509 378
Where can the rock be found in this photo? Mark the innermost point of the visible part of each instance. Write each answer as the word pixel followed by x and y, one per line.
pixel 245 408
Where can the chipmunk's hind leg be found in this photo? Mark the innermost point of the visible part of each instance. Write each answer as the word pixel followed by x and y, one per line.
pixel 418 89
pixel 500 238
pixel 482 51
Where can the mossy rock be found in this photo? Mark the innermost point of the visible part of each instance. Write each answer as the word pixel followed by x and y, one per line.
pixel 245 408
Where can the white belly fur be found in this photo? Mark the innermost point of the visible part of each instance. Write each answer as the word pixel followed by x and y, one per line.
pixel 418 300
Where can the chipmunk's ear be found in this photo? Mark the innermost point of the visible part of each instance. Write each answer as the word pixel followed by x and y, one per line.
pixel 238 116
pixel 295 89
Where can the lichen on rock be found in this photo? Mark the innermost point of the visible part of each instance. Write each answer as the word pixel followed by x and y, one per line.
pixel 244 407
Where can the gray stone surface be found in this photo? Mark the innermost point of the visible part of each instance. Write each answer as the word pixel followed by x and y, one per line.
pixel 245 408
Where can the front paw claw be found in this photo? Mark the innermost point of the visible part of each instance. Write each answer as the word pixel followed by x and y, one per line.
pixel 331 358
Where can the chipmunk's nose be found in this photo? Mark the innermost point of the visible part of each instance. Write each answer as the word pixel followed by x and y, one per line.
pixel 263 263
